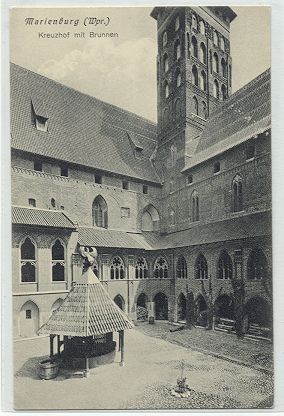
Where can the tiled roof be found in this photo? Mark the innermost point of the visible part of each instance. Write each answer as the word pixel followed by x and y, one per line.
pixel 99 237
pixel 87 310
pixel 81 129
pixel 40 217
pixel 238 228
pixel 243 115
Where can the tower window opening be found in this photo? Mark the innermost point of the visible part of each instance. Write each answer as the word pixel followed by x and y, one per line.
pixel 178 78
pixel 202 27
pixel 203 81
pixel 224 67
pixel 216 89
pixel 203 53
pixel 215 38
pixel 195 106
pixel 177 50
pixel 177 23
pixel 237 194
pixel 194 75
pixel 165 39
pixel 194 22
pixel 222 43
pixel 215 63
pixel 194 47
pixel 166 89
pixel 223 92
pixel 166 62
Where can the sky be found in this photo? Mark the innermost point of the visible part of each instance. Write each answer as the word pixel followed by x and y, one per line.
pixel 122 70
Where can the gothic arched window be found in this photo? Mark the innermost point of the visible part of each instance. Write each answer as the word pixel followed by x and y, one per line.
pixel 28 261
pixel 224 67
pixel 202 27
pixel 216 89
pixel 178 78
pixel 177 50
pixel 195 106
pixel 215 62
pixel 237 194
pixel 58 262
pixel 177 108
pixel 225 266
pixel 203 53
pixel 161 268
pixel 204 110
pixel 166 89
pixel 194 47
pixel 141 268
pixel 194 22
pixel 165 38
pixel 223 92
pixel 194 206
pixel 194 75
pixel 100 212
pixel 117 268
pixel 203 81
pixel 257 265
pixel 222 43
pixel 166 62
pixel 177 23
pixel 201 268
pixel 215 38
pixel 181 268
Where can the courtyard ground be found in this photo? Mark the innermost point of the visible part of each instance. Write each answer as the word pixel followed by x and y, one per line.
pixel 152 366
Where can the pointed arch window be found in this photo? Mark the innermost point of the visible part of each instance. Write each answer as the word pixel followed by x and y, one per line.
pixel 177 23
pixel 166 89
pixel 194 22
pixel 58 262
pixel 161 268
pixel 203 81
pixel 202 27
pixel 28 261
pixel 216 89
pixel 223 92
pixel 204 110
pixel 222 43
pixel 203 53
pixel 194 47
pixel 100 212
pixel 166 62
pixel 188 44
pixel 178 78
pixel 237 193
pixel 165 39
pixel 141 268
pixel 225 266
pixel 215 38
pixel 195 106
pixel 117 270
pixel 194 75
pixel 177 108
pixel 181 268
pixel 201 268
pixel 257 265
pixel 215 63
pixel 194 206
pixel 224 68
pixel 177 50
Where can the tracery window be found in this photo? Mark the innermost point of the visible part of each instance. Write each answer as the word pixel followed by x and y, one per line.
pixel 181 268
pixel 100 212
pixel 141 268
pixel 257 265
pixel 117 270
pixel 225 266
pixel 28 261
pixel 201 268
pixel 161 268
pixel 58 262
pixel 237 194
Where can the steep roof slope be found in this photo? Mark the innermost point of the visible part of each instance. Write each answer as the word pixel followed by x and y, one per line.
pixel 81 129
pixel 244 114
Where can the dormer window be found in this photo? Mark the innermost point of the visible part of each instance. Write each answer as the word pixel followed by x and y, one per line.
pixel 39 116
pixel 32 202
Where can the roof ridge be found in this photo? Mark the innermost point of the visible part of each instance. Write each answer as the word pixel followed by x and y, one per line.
pixel 122 110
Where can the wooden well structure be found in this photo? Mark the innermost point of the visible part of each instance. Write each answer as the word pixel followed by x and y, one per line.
pixel 84 323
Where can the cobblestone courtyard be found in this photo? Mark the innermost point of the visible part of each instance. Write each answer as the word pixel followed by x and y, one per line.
pixel 152 367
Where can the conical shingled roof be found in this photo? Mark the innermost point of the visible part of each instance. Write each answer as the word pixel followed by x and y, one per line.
pixel 87 310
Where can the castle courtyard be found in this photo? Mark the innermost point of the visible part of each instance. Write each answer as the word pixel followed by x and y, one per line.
pixel 238 375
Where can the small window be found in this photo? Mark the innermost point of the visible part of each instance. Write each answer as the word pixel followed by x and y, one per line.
pixel 189 179
pixel 41 123
pixel 125 212
pixel 28 314
pixel 166 62
pixel 125 185
pixel 38 165
pixel 165 38
pixel 98 179
pixel 177 23
pixel 62 207
pixel 216 167
pixel 145 189
pixel 52 201
pixel 250 151
pixel 167 90
pixel 32 202
pixel 64 171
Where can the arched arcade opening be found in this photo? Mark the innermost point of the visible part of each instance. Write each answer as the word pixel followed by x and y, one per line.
pixel 161 306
